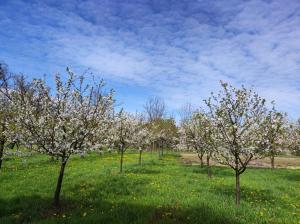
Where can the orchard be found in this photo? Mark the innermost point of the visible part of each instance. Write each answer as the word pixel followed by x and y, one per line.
pixel 69 153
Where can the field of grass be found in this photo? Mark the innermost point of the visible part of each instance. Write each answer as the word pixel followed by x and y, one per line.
pixel 159 191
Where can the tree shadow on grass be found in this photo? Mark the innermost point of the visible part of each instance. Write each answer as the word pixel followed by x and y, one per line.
pixel 115 184
pixel 25 209
pixel 142 170
pixel 157 163
pixel 109 200
pixel 222 172
pixel 247 194
pixel 198 169
pixel 292 176
pixel 28 164
pixel 36 209
pixel 215 171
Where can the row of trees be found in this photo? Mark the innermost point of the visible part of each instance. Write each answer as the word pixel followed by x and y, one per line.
pixel 237 127
pixel 78 116
pixel 75 117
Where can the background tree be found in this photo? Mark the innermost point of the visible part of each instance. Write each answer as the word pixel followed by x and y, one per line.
pixel 125 128
pixel 192 132
pixel 9 83
pixel 238 115
pixel 63 121
pixel 5 107
pixel 274 129
pixel 186 112
pixel 142 137
pixel 199 134
pixel 294 138
pixel 164 134
pixel 208 137
pixel 155 109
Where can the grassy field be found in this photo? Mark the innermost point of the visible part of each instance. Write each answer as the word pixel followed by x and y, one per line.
pixel 159 191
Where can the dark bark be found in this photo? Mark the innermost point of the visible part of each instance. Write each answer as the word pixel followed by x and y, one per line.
pixel 200 155
pixel 140 158
pixel 2 142
pixel 237 188
pixel 208 166
pixel 158 150
pixel 121 160
pixel 272 161
pixel 59 182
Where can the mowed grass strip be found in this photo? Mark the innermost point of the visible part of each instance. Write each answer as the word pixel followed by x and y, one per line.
pixel 160 191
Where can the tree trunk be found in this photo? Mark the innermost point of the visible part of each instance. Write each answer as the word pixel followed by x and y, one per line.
pixel 152 148
pixel 208 166
pixel 272 161
pixel 140 158
pixel 59 183
pixel 121 161
pixel 2 142
pixel 237 188
pixel 200 155
pixel 158 150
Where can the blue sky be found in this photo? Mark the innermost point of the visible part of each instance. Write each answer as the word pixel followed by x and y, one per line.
pixel 175 49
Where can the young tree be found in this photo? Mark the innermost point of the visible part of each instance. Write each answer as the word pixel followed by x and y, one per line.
pixel 125 128
pixel 293 140
pixel 64 121
pixel 208 136
pixel 8 83
pixel 5 107
pixel 199 134
pixel 238 115
pixel 141 138
pixel 192 131
pixel 274 129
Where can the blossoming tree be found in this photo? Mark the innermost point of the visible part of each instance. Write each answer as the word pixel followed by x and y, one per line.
pixel 63 121
pixel 208 137
pixel 238 115
pixel 191 131
pixel 5 110
pixel 294 138
pixel 124 131
pixel 199 134
pixel 274 130
pixel 9 83
pixel 142 137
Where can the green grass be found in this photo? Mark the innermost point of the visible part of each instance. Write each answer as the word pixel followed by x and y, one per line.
pixel 160 191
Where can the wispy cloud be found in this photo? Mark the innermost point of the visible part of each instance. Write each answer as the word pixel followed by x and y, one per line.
pixel 176 49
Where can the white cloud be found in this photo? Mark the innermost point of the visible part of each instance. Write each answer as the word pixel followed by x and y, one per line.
pixel 178 51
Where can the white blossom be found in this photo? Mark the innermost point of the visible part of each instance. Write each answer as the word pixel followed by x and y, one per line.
pixel 72 119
